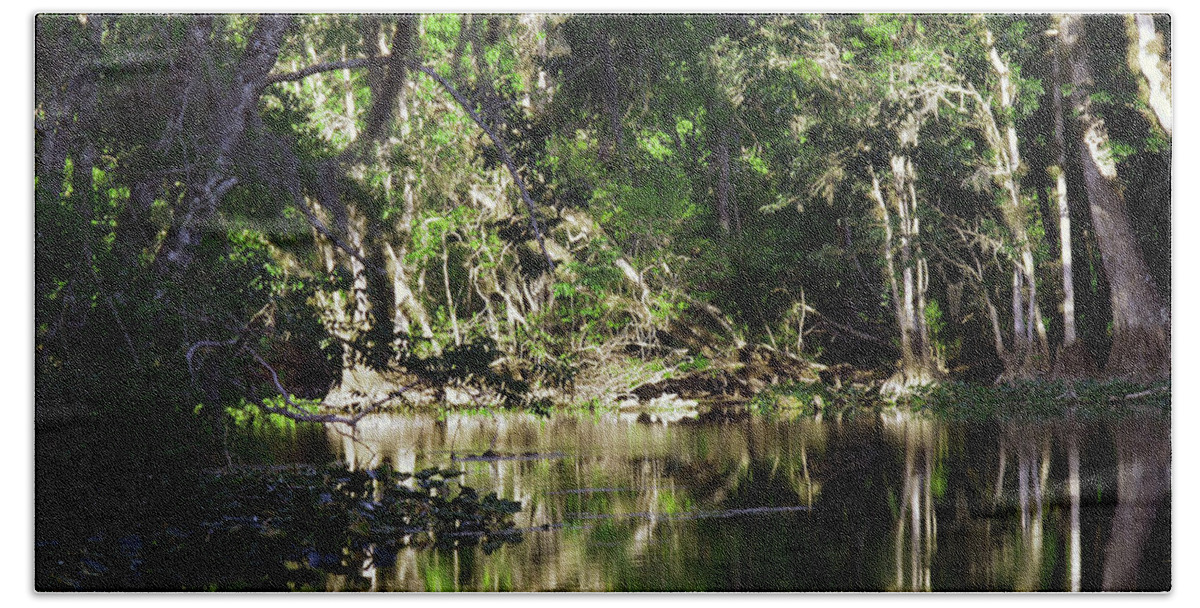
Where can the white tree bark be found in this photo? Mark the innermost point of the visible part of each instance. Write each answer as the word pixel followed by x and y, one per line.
pixel 1156 71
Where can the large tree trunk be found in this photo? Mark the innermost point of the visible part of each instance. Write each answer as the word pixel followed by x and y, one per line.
pixel 1141 344
pixel 1072 359
pixel 381 330
pixel 369 334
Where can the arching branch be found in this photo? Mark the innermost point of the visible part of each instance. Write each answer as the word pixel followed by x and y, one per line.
pixel 327 233
pixel 508 161
pixel 293 410
pixel 328 66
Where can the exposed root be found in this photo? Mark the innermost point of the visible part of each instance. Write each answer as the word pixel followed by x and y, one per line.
pixel 905 381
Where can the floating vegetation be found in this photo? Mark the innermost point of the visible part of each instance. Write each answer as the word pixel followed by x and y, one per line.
pixel 294 524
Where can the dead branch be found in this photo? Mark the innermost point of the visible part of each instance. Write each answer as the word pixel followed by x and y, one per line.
pixel 322 418
pixel 1140 394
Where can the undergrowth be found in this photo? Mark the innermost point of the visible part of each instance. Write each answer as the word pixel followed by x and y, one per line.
pixel 967 401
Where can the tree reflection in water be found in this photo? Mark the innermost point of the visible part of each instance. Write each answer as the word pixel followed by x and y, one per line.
pixel 1143 481
pixel 916 523
pixel 1031 446
pixel 721 503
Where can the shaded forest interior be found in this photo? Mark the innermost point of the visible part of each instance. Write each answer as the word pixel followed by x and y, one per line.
pixel 532 210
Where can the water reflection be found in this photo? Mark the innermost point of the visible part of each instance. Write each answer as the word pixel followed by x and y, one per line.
pixel 1143 480
pixel 1075 555
pixel 922 440
pixel 1021 553
pixel 739 502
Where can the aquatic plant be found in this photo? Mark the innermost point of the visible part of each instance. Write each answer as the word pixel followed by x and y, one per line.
pixel 280 528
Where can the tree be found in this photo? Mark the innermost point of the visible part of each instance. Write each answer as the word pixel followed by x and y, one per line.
pixel 1141 347
pixel 1072 358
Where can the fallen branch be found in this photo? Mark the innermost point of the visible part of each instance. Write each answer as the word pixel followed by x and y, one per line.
pixel 296 412
pixel 1140 394
pixel 321 418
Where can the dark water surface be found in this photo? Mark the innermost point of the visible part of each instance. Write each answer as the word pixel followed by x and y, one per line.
pixel 738 502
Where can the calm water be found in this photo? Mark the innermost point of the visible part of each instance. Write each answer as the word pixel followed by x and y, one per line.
pixel 740 502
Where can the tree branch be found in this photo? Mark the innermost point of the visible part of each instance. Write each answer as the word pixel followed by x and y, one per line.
pixel 1140 394
pixel 320 227
pixel 329 66
pixel 508 161
pixel 321 418
pixel 466 105
pixel 845 328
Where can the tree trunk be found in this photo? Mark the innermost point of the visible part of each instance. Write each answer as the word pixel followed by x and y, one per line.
pixel 234 109
pixel 1148 52
pixel 918 363
pixel 889 258
pixel 1141 343
pixel 451 310
pixel 381 331
pixel 360 316
pixel 1026 357
pixel 611 92
pixel 1072 359
pixel 723 185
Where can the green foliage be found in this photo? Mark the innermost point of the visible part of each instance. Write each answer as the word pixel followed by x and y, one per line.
pixel 252 416
pixel 813 398
pixel 624 119
pixel 1040 400
pixel 698 363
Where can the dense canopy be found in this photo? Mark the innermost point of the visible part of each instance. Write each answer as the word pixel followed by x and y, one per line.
pixel 647 234
pixel 545 208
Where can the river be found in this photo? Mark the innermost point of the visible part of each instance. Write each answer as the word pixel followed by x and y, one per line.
pixel 727 500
